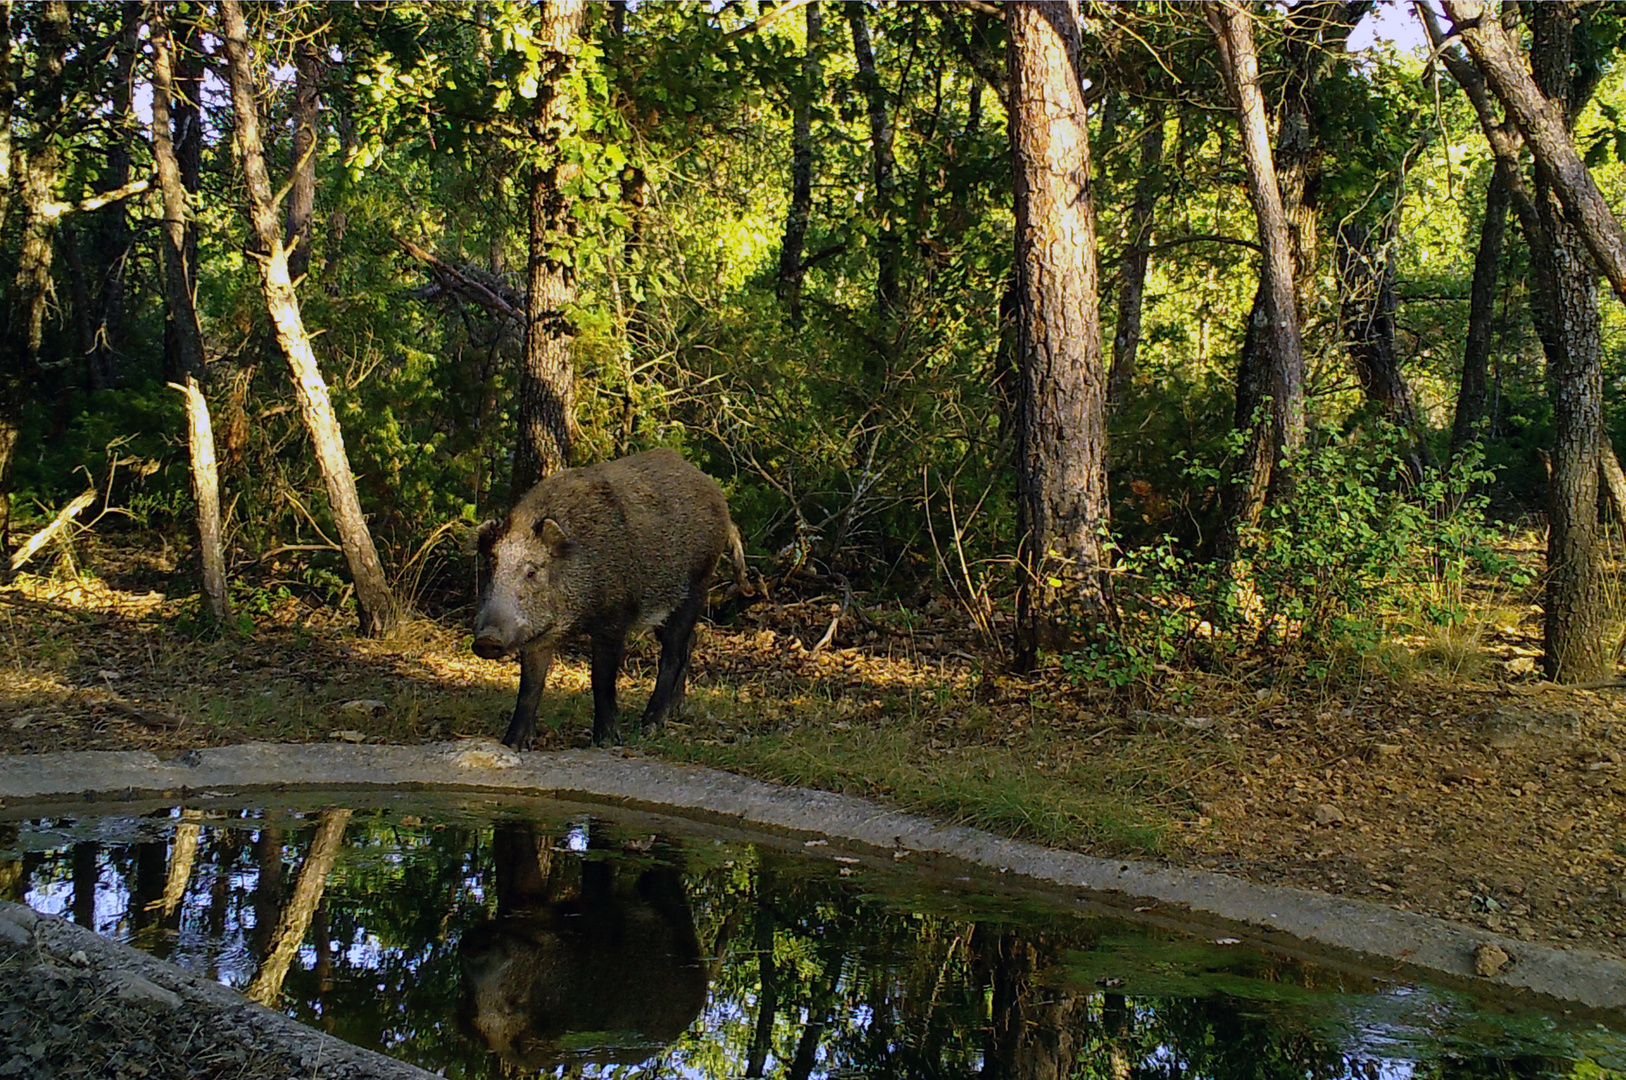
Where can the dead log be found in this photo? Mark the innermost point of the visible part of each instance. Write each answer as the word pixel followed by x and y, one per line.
pixel 47 534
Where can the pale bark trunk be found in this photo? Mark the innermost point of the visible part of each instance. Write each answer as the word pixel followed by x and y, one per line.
pixel 883 167
pixel 791 270
pixel 1275 323
pixel 1132 292
pixel 266 986
pixel 1473 393
pixel 375 605
pixel 1061 411
pixel 183 853
pixel 1545 123
pixel 546 391
pixel 184 332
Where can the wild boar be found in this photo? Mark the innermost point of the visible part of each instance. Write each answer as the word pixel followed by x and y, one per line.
pixel 604 550
pixel 606 972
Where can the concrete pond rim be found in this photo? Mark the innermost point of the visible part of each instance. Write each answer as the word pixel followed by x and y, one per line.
pixel 1299 923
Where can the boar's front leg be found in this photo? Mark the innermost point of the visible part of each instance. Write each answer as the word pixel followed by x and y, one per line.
pixel 535 658
pixel 676 636
pixel 609 646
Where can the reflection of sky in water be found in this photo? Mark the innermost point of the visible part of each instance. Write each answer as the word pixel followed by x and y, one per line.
pixel 437 886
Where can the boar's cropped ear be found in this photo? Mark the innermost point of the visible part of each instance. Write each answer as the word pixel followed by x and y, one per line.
pixel 553 537
pixel 482 540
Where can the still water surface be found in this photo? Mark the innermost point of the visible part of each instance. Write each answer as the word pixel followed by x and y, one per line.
pixel 479 943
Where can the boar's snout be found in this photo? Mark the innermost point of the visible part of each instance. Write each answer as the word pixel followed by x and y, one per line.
pixel 490 640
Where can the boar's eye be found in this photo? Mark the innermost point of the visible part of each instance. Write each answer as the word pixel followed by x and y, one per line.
pixel 530 574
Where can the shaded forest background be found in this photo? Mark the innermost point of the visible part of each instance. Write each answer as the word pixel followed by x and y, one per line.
pixel 781 240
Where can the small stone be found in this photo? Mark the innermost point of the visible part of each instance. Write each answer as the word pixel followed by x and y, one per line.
pixel 18 723
pixel 349 735
pixel 1489 959
pixel 132 988
pixel 485 757
pixel 366 705
pixel 1328 814
pixel 16 935
pixel 79 958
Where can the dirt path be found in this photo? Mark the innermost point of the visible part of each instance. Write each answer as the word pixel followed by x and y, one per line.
pixel 1498 804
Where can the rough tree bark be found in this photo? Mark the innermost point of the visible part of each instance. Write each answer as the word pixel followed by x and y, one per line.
pixel 1473 392
pixel 1274 325
pixel 1061 410
pixel 1132 292
pixel 1575 604
pixel 883 168
pixel 374 603
pixel 1546 123
pixel 302 194
pixel 546 390
pixel 791 268
pixel 183 329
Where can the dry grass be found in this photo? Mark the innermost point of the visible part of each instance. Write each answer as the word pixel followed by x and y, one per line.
pixel 1461 787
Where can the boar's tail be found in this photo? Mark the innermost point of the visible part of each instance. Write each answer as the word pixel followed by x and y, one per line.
pixel 736 555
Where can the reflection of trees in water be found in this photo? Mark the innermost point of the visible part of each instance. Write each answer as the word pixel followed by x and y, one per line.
pixel 811 975
pixel 603 969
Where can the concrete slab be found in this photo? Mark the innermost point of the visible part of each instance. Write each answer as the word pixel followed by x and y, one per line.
pixel 1275 916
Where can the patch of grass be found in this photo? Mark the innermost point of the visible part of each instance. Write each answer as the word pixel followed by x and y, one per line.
pixel 1085 803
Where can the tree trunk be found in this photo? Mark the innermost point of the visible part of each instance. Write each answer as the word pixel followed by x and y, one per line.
pixel 546 394
pixel 183 854
pixel 1132 292
pixel 1614 478
pixel 111 227
pixel 1575 603
pixel 1061 411
pixel 1274 325
pixel 791 270
pixel 33 165
pixel 182 327
pixel 1546 123
pixel 767 978
pixel 1472 393
pixel 266 986
pixel 888 245
pixel 1366 285
pixel 302 194
pixel 375 605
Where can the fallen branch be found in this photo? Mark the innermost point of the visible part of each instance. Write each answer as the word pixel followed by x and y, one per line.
pixel 47 534
pixel 476 290
pixel 846 602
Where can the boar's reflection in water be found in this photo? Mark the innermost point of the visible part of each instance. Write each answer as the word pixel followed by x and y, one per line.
pixel 603 971
pixel 604 550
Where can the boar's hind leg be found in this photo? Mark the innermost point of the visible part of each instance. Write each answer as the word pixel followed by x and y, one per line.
pixel 534 661
pixel 676 636
pixel 609 645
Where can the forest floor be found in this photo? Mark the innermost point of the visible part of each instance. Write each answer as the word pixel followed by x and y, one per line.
pixel 1475 793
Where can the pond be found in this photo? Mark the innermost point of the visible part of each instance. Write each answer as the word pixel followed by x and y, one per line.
pixel 477 939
